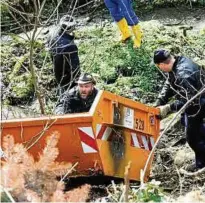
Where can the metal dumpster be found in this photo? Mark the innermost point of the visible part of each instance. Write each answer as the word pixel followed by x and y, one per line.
pixel 104 140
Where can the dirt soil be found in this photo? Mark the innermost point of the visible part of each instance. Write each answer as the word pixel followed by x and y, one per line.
pixel 171 157
pixel 178 16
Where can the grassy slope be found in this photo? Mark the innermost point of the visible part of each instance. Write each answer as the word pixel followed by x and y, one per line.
pixel 118 67
pixel 127 71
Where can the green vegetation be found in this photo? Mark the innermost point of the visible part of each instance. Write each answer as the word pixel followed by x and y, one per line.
pixel 118 67
pixel 124 70
pixel 16 74
pixel 151 192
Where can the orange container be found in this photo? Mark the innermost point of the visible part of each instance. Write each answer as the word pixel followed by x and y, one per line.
pixel 104 140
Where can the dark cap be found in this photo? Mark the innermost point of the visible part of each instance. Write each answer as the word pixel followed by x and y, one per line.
pixel 67 23
pixel 161 55
pixel 86 78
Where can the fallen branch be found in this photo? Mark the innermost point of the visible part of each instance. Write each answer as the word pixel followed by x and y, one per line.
pixel 180 180
pixel 199 172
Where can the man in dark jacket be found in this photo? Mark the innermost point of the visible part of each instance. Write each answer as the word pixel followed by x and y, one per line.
pixel 184 80
pixel 64 53
pixel 80 98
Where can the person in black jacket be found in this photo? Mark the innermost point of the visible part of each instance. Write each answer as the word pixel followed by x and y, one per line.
pixel 184 80
pixel 64 53
pixel 80 98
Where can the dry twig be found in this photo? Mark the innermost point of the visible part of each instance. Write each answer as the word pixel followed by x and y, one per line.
pixel 127 181
pixel 69 171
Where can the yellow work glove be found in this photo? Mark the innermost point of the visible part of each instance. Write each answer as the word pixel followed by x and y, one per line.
pixel 164 110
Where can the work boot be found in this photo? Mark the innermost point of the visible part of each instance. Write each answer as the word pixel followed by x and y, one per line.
pixel 138 35
pixel 124 29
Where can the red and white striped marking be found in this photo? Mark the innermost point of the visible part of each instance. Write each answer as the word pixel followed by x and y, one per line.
pixel 142 141
pixel 103 132
pixel 88 141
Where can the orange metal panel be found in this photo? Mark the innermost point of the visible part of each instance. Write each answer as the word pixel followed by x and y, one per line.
pixel 114 132
pixel 33 134
pixel 117 151
pixel 139 129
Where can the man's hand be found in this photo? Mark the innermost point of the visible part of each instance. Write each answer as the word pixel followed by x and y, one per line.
pixel 164 110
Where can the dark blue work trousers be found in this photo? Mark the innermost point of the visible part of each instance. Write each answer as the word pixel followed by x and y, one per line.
pixel 195 133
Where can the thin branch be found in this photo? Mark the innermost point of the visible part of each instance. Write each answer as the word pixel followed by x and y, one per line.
pixel 35 82
pixel 122 196
pixel 127 181
pixel 19 24
pixel 8 194
pixel 41 134
pixel 180 180
pixel 69 171
pixel 200 171
pixel 41 9
pixel 167 127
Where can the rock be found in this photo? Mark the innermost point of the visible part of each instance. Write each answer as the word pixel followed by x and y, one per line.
pixel 193 196
pixel 13 112
pixel 183 156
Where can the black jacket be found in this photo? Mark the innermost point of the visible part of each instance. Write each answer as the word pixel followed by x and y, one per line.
pixel 184 81
pixel 71 102
pixel 62 43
